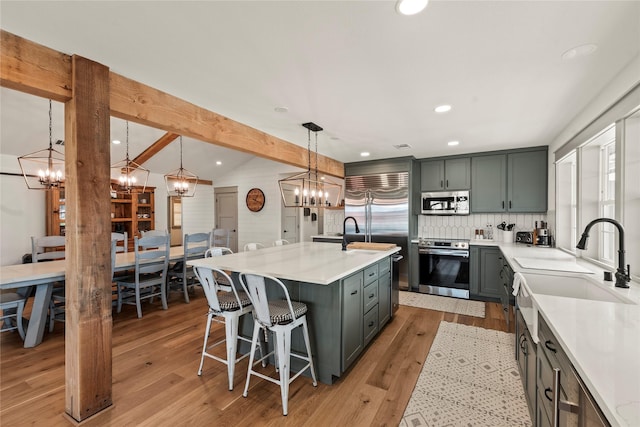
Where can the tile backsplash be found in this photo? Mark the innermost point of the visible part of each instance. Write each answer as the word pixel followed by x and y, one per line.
pixel 464 226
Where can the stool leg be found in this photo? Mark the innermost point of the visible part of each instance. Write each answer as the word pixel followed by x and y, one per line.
pixel 283 343
pixel 307 343
pixel 206 339
pixel 231 330
pixel 254 343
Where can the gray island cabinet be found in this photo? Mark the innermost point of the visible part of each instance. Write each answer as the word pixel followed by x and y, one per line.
pixel 348 295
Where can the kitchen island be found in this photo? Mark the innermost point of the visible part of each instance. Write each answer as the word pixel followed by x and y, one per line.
pixel 348 295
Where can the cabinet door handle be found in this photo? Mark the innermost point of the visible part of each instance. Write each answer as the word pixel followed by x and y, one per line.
pixel 546 394
pixel 503 204
pixel 354 292
pixel 372 274
pixel 441 184
pixel 371 323
pixel 372 295
pixel 549 345
pixel 509 204
pixel 447 183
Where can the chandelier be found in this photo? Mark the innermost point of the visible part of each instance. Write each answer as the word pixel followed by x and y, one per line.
pixel 43 169
pixel 130 174
pixel 308 189
pixel 181 182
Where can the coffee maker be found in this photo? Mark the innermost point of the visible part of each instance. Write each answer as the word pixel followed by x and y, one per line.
pixel 542 237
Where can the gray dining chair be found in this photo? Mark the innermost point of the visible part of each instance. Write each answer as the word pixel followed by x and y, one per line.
pixel 121 238
pixel 12 306
pixel 149 277
pixel 182 276
pixel 51 248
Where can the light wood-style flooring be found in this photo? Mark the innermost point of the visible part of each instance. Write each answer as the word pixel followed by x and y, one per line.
pixel 155 381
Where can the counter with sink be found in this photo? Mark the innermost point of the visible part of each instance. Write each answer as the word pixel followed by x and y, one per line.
pixel 597 324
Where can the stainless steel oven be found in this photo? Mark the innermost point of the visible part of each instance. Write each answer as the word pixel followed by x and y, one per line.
pixel 444 267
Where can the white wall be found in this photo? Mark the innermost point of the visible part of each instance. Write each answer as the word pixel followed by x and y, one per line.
pixel 621 84
pixel 264 226
pixel 22 213
pixel 197 211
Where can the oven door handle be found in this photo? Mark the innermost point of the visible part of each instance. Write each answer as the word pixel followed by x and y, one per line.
pixel 453 252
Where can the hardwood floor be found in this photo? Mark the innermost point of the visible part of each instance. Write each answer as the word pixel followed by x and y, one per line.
pixel 155 381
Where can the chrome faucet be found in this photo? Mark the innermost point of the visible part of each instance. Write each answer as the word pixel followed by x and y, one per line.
pixel 344 234
pixel 622 276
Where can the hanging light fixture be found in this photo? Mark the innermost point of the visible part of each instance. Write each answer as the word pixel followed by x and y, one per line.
pixel 181 182
pixel 308 189
pixel 130 174
pixel 43 169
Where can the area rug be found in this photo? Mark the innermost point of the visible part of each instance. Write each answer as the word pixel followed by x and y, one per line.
pixel 470 378
pixel 450 305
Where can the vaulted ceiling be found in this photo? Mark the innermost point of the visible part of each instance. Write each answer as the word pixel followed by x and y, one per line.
pixel 368 75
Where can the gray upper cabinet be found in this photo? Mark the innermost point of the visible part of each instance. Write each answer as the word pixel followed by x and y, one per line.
pixel 489 175
pixel 513 182
pixel 527 181
pixel 448 174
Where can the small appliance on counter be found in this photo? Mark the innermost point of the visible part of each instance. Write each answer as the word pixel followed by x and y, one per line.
pixel 541 235
pixel 524 237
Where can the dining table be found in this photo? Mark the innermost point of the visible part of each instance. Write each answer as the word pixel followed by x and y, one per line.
pixel 43 275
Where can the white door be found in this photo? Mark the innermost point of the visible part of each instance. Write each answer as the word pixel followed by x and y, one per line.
pixel 175 220
pixel 290 222
pixel 227 213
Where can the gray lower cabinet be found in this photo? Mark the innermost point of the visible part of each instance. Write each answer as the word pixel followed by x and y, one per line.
pixel 506 298
pixel 485 281
pixel 512 182
pixel 384 298
pixel 570 404
pixel 445 174
pixel 526 357
pixel 414 266
pixel 352 304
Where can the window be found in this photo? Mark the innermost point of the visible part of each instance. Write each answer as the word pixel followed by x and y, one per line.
pixel 567 203
pixel 606 251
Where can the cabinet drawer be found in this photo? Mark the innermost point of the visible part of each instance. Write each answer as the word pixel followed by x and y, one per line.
pixel 370 274
pixel 370 325
pixel 370 296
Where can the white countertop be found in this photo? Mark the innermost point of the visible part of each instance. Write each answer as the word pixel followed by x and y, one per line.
pixel 312 262
pixel 602 339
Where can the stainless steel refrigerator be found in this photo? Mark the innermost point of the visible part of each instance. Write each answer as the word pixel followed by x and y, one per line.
pixel 380 204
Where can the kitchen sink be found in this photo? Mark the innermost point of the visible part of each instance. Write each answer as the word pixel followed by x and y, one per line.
pixel 572 287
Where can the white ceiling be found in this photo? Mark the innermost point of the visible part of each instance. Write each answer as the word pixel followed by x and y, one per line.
pixel 368 75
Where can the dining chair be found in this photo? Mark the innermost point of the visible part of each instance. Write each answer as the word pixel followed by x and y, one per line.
pixel 280 317
pixel 51 248
pixel 220 237
pixel 217 251
pixel 149 233
pixel 12 306
pixel 280 242
pixel 252 247
pixel 149 277
pixel 181 276
pixel 226 305
pixel 121 237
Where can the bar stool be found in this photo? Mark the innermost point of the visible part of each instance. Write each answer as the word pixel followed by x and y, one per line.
pixel 226 302
pixel 280 317
pixel 252 247
pixel 280 242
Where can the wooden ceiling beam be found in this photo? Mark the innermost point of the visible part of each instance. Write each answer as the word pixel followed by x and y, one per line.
pixel 156 147
pixel 38 70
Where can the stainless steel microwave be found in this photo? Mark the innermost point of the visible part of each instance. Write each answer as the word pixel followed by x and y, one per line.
pixel 445 203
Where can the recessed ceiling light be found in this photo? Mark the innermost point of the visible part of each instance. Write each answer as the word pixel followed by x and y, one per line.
pixel 218 163
pixel 442 108
pixel 579 51
pixel 452 143
pixel 116 141
pixel 365 154
pixel 411 7
pixel 281 109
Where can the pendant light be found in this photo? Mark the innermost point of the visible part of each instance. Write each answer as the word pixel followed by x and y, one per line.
pixel 130 174
pixel 308 189
pixel 43 169
pixel 181 182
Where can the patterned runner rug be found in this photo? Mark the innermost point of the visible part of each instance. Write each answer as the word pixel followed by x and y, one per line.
pixel 470 378
pixel 450 305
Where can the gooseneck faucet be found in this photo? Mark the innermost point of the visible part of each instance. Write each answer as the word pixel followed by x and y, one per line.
pixel 344 234
pixel 622 276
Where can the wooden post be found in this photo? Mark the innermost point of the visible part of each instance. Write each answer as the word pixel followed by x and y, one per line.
pixel 88 236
